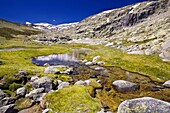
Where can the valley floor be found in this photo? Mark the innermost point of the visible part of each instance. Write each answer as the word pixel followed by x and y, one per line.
pixel 147 71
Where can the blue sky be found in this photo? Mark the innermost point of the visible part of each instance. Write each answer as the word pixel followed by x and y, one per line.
pixel 56 11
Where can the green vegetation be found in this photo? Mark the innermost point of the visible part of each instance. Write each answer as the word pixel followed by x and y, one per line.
pixel 14 86
pixel 151 66
pixel 23 103
pixel 72 99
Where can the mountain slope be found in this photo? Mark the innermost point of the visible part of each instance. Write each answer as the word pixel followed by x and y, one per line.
pixel 10 30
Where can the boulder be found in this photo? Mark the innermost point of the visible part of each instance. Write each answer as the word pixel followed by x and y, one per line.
pixel 98 68
pixel 87 82
pixel 95 59
pixel 89 63
pixel 7 109
pixel 34 92
pixel 21 91
pixel 167 84
pixel 2 94
pixel 165 55
pixel 44 82
pixel 144 105
pixel 125 86
pixel 84 61
pixel 63 84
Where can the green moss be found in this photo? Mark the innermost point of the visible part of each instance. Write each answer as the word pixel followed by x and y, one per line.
pixel 23 103
pixel 28 87
pixel 14 86
pixel 72 99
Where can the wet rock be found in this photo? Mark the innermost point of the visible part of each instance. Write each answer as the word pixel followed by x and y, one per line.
pixel 89 63
pixel 21 91
pixel 2 94
pixel 80 82
pixel 167 84
pixel 125 86
pixel 95 59
pixel 144 105
pixel 34 92
pixel 7 109
pixel 44 82
pixel 63 84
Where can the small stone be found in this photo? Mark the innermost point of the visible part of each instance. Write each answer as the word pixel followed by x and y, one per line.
pixel 21 91
pixel 63 84
pixel 95 59
pixel 89 63
pixel 167 84
pixel 101 63
pixel 80 82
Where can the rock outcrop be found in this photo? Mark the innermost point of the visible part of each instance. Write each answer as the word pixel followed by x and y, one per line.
pixel 144 105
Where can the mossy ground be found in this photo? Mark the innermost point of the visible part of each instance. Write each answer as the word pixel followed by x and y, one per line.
pixel 73 99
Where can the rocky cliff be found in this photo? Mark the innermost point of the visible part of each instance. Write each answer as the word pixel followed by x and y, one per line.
pixel 140 28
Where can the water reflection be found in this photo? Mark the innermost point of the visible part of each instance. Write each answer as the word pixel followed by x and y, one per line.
pixel 61 59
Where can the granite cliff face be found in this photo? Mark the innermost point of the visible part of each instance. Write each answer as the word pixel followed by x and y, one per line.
pixel 141 28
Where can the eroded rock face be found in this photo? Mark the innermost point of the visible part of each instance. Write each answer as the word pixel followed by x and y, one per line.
pixel 44 82
pixel 125 86
pixel 144 105
pixel 165 55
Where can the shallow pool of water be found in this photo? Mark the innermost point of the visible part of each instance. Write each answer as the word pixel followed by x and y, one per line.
pixel 61 59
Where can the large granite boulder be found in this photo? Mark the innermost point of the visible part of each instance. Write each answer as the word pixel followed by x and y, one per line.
pixel 44 82
pixel 144 105
pixel 125 86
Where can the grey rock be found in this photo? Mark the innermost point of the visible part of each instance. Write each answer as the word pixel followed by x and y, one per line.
pixel 2 94
pixel 144 105
pixel 84 61
pixel 87 82
pixel 101 63
pixel 22 72
pixel 51 70
pixel 125 86
pixel 6 101
pixel 34 78
pixel 167 84
pixel 21 91
pixel 7 109
pixel 95 59
pixel 103 111
pixel 44 82
pixel 63 84
pixel 34 92
pixel 98 68
pixel 80 82
pixel 89 63
pixel 39 97
pixel 137 52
